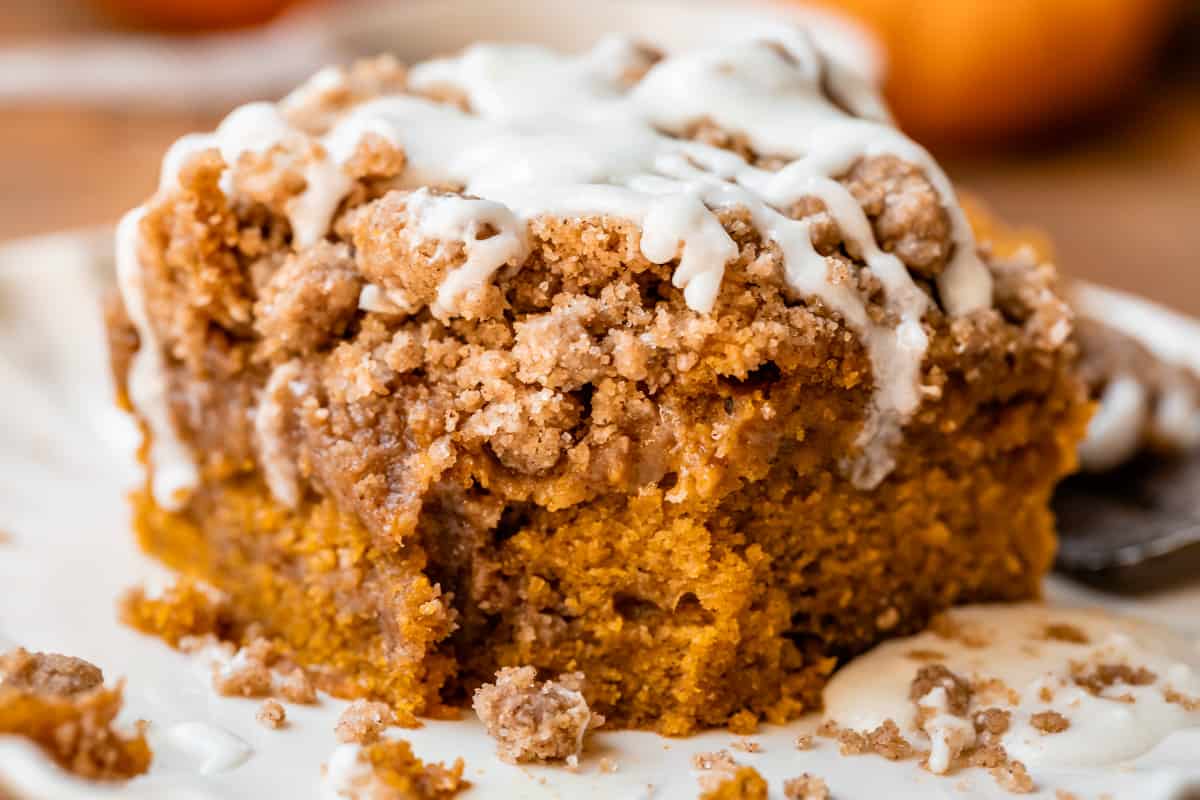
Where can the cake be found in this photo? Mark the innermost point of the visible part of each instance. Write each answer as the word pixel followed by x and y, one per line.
pixel 684 372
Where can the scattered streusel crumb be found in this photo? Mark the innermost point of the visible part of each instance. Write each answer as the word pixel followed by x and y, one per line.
pixel 295 687
pixel 805 741
pixel 186 609
pixel 608 764
pixel 885 740
pixel 247 674
pixel 744 784
pixel 805 787
pixel 1178 698
pixel 1063 794
pixel 390 771
pixel 746 745
pixel 921 654
pixel 935 676
pixel 992 721
pixel 718 759
pixel 1103 676
pixel 48 673
pixel 1049 722
pixel 535 721
pixel 6 537
pixel 60 704
pixel 271 714
pixel 1013 777
pixel 363 722
pixel 1065 632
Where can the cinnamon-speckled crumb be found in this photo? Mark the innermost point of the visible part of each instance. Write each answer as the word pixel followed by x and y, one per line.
pixel 390 771
pixel 532 720
pixel 295 687
pixel 806 787
pixel 1049 722
pixel 247 674
pixel 744 784
pixel 363 722
pixel 1013 777
pixel 48 673
pixel 271 714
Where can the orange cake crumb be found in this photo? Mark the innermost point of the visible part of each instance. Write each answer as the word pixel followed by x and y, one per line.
pixel 61 704
pixel 805 787
pixel 388 770
pixel 184 610
pixel 744 784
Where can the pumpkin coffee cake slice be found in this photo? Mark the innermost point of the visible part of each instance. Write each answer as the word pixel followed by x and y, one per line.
pixel 681 372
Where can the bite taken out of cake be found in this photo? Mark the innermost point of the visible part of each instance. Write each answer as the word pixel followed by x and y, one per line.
pixel 683 372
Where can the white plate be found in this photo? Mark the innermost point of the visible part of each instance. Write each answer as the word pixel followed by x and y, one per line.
pixel 65 463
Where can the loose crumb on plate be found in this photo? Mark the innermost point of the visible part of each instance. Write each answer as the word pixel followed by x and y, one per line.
pixel 1049 722
pixel 536 721
pixel 805 741
pixel 271 714
pixel 388 770
pixel 743 784
pixel 1014 777
pixel 1104 676
pixel 247 674
pixel 60 704
pixel 363 722
pixel 806 787
pixel 185 609
pixel 746 745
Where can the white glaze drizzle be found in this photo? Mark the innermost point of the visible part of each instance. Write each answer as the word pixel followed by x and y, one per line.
pixel 562 135
pixel 279 469
pixel 173 468
pixel 215 749
pixel 1115 431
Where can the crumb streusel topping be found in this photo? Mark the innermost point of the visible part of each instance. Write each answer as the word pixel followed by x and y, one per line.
pixel 536 134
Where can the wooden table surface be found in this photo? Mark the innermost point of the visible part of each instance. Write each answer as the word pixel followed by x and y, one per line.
pixel 1122 203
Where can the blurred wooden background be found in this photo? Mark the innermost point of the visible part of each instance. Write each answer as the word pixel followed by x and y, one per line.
pixel 1120 197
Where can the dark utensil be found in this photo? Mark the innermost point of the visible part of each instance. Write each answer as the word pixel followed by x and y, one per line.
pixel 1132 529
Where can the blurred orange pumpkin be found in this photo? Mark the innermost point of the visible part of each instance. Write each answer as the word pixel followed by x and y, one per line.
pixel 982 70
pixel 192 15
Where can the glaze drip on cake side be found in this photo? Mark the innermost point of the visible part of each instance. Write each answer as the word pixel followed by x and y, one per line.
pixel 549 134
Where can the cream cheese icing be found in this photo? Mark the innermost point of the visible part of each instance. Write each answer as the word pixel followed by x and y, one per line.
pixel 1016 645
pixel 551 134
